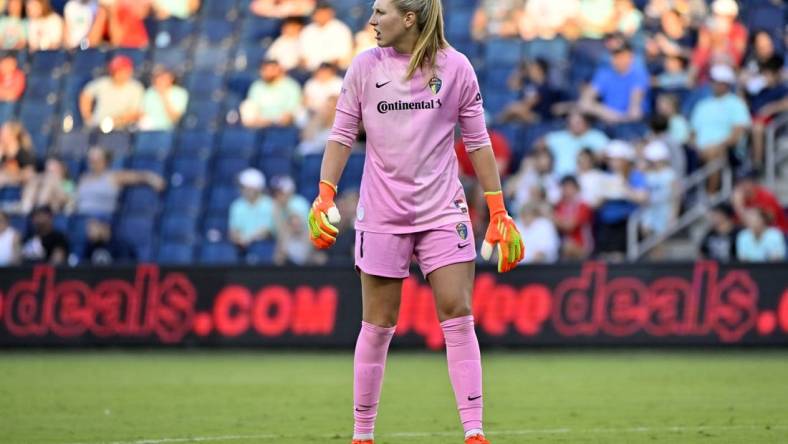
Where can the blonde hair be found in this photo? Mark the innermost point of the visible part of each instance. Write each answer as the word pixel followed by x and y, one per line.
pixel 431 39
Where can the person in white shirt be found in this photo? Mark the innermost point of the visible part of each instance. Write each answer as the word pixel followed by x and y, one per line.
pixel 286 49
pixel 78 19
pixel 10 253
pixel 45 27
pixel 539 234
pixel 326 39
pixel 323 84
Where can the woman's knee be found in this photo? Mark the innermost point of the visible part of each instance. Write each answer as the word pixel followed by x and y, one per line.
pixel 454 308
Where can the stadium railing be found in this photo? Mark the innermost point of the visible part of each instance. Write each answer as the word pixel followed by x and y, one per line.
pixel 776 148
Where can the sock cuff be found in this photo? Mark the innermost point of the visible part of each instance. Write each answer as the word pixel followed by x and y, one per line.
pixel 378 330
pixel 462 321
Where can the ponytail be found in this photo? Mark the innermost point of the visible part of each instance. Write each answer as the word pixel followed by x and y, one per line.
pixel 431 33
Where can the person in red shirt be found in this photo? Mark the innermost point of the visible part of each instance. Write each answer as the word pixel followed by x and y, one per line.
pixel 749 194
pixel 12 79
pixel 572 217
pixel 127 23
pixel 722 38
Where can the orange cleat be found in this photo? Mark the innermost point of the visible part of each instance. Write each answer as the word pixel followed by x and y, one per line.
pixel 477 439
pixel 365 441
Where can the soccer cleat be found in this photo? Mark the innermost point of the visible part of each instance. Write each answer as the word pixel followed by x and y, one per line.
pixel 477 439
pixel 364 441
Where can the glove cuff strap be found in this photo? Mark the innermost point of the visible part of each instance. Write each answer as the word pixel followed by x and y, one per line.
pixel 495 202
pixel 327 189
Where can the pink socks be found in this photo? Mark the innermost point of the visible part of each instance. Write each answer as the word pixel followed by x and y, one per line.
pixel 369 364
pixel 465 370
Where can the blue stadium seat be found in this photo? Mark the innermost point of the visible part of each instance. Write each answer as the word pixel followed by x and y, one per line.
pixel 174 32
pixel 195 143
pixel 276 165
pixel 189 171
pixel 118 143
pixel 351 177
pixel 216 31
pixel 237 142
pixel 218 253
pixel 249 57
pixel 261 253
pixel 496 101
pixel 186 200
pixel 136 55
pixel 36 116
pixel 41 143
pixel 219 9
pixel 143 163
pixel 89 61
pixel 77 232
pixel 171 56
pixel 309 175
pixel 458 25
pixel 156 144
pixel 137 230
pixel 221 197
pixel 279 140
pixel 226 169
pixel 10 194
pixel 238 83
pixel 214 58
pixel 497 79
pixel 42 87
pixel 175 254
pixel 214 225
pixel 140 200
pixel 204 84
pixel 554 51
pixel 692 99
pixel 72 145
pixel 628 131
pixel 505 53
pixel 201 113
pixel 19 222
pixel 256 29
pixel 176 227
pixel 7 110
pixel 49 62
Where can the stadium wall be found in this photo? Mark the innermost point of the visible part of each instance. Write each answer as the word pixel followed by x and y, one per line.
pixel 701 304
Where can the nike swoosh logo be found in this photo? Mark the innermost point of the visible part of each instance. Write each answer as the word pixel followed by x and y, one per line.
pixel 463 245
pixel 381 85
pixel 474 399
pixel 363 408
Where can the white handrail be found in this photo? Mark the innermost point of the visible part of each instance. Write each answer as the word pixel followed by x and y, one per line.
pixel 774 155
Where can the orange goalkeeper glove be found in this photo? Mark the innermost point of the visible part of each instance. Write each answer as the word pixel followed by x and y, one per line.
pixel 502 233
pixel 323 217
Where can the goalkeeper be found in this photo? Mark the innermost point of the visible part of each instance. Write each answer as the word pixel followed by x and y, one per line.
pixel 410 92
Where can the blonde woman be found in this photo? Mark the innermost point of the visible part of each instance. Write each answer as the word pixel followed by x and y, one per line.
pixel 410 92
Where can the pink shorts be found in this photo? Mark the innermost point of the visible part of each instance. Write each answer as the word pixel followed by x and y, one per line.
pixel 389 255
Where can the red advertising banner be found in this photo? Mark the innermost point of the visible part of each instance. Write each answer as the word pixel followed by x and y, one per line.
pixel 588 304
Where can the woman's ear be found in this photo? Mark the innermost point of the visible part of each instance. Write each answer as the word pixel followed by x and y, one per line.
pixel 409 19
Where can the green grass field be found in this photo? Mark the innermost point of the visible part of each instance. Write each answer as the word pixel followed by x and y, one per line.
pixel 546 397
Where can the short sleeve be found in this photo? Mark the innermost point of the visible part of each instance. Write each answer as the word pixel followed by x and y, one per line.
pixel 740 115
pixel 94 87
pixel 180 99
pixel 235 222
pixel 471 110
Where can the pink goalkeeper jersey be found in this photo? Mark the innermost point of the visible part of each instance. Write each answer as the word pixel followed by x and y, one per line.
pixel 410 180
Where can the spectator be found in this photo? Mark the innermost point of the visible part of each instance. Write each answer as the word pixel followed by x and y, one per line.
pixel 566 144
pixel 625 190
pixel 286 49
pixel 118 97
pixel 721 40
pixel 282 8
pixel 127 23
pixel 622 89
pixel 628 17
pixel 103 248
pixel 252 216
pixel 675 74
pixel 678 129
pixel 539 98
pixel 12 79
pixel 591 179
pixel 292 237
pixel 364 40
pixel 547 19
pixel 496 18
pixel 691 12
pixel 315 134
pixel 674 39
pixel 573 217
pixel 45 244
pixel 758 242
pixel 761 51
pixel 766 104
pixel 13 28
pixel 719 244
pixel 720 121
pixel 10 253
pixel 99 187
pixel 749 194
pixel 51 188
pixel 45 26
pixel 326 39
pixel 17 160
pixel 81 27
pixel 501 150
pixel 662 184
pixel 534 182
pixel 539 233
pixel 597 18
pixel 164 102
pixel 179 9
pixel 275 99
pixel 324 83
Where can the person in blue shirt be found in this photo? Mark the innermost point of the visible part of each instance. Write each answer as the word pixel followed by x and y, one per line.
pixel 767 103
pixel 252 216
pixel 618 91
pixel 759 242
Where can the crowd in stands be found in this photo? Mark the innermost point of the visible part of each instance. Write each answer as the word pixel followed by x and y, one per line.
pixel 596 109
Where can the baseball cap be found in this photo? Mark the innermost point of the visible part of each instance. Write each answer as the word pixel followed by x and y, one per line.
pixel 120 62
pixel 619 149
pixel 723 74
pixel 656 151
pixel 725 7
pixel 252 178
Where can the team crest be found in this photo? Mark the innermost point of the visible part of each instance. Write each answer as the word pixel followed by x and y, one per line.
pixel 435 85
pixel 462 231
pixel 460 205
